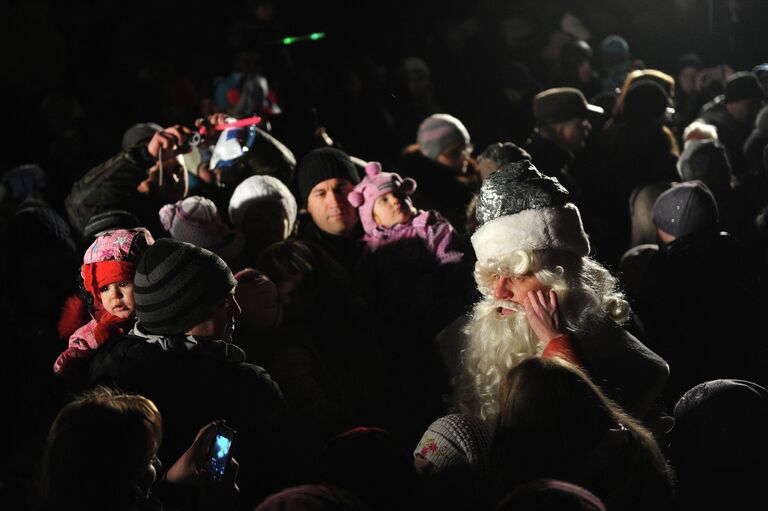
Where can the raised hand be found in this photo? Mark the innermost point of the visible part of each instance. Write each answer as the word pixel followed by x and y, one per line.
pixel 171 140
pixel 541 311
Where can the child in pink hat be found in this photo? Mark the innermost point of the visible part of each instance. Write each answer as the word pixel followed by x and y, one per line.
pixel 388 215
pixel 108 268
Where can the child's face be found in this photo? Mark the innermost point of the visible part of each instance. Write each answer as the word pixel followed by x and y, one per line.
pixel 390 210
pixel 117 299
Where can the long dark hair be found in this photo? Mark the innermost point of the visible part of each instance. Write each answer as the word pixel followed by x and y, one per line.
pixel 555 422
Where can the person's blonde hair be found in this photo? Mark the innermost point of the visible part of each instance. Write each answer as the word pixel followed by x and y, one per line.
pixel 659 77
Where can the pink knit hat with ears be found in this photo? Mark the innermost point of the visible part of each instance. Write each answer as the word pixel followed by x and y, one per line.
pixel 375 184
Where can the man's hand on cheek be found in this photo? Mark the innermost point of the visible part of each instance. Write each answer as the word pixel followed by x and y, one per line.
pixel 542 314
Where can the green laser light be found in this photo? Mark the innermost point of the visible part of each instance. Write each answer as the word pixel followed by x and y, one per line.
pixel 315 36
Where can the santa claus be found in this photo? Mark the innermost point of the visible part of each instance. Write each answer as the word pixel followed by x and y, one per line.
pixel 543 296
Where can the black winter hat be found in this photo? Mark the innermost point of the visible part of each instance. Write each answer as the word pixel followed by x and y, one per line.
pixel 743 85
pixel 720 425
pixel 177 285
pixel 685 208
pixel 108 220
pixel 321 164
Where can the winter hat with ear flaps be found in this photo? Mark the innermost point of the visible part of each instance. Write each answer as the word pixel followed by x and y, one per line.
pixel 519 208
pixel 375 184
pixel 112 257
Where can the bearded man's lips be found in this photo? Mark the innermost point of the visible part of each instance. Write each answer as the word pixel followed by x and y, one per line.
pixel 506 309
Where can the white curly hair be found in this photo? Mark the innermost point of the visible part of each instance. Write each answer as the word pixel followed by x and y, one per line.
pixel 587 294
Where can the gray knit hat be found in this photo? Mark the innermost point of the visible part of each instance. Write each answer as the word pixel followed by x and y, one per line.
pixel 707 161
pixel 177 285
pixel 437 132
pixel 456 439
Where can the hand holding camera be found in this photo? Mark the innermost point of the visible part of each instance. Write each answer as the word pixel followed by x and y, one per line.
pixel 170 142
pixel 208 461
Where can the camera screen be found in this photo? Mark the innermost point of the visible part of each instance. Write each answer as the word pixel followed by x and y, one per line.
pixel 220 455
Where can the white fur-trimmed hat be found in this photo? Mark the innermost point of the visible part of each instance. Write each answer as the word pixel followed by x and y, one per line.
pixel 521 209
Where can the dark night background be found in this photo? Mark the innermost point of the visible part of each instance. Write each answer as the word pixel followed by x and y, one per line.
pixel 77 74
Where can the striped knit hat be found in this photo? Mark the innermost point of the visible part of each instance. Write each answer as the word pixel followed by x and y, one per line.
pixel 437 132
pixel 177 285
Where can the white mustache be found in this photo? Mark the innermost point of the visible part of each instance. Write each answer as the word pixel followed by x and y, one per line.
pixel 504 304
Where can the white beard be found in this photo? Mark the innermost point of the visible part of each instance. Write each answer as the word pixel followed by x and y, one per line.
pixel 495 345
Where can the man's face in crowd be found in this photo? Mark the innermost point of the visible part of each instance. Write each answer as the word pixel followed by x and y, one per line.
pixel 222 324
pixel 514 289
pixel 486 167
pixel 572 135
pixel 744 110
pixel 327 204
pixel 687 79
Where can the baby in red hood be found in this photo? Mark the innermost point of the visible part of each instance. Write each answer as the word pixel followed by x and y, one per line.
pixel 108 268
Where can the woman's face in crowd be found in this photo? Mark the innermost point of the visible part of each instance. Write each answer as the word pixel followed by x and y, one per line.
pixel 117 299
pixel 295 295
pixel 456 156
pixel 390 210
pixel 260 303
pixel 687 79
pixel 264 223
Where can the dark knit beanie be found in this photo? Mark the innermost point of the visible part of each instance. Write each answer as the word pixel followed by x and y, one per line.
pixel 542 494
pixel 177 285
pixel 322 164
pixel 720 425
pixel 743 85
pixel 686 208
pixel 109 220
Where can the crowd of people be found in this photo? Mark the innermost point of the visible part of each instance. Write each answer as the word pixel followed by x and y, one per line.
pixel 393 318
